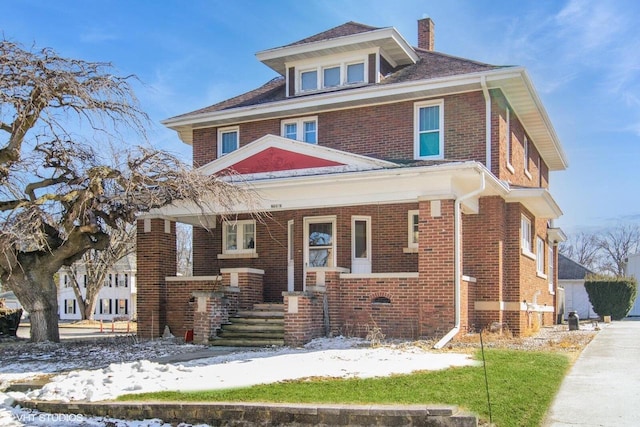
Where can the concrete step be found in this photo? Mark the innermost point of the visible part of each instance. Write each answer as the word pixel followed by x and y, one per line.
pixel 260 314
pixel 268 306
pixel 251 335
pixel 255 327
pixel 257 320
pixel 240 342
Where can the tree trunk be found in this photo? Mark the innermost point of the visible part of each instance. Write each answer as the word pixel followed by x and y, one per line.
pixel 36 290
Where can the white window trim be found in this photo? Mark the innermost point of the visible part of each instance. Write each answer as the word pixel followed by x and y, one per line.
pixel 230 129
pixel 366 219
pixel 508 141
pixel 540 257
pixel 315 220
pixel 551 264
pixel 299 122
pixel 341 61
pixel 526 158
pixel 416 129
pixel 411 246
pixel 526 237
pixel 239 238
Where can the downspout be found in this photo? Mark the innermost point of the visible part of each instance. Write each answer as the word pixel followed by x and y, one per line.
pixel 487 109
pixel 457 243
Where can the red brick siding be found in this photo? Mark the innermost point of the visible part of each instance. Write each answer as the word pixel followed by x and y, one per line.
pixel 156 260
pixel 179 310
pixel 307 323
pixel 389 237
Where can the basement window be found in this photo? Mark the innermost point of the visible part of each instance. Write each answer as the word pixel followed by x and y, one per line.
pixel 381 300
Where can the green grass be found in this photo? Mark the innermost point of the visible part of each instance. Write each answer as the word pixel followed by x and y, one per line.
pixel 521 385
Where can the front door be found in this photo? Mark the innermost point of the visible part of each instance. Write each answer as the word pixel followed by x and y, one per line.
pixel 290 255
pixel 361 244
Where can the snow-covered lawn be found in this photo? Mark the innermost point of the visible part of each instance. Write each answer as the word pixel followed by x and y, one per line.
pixel 85 379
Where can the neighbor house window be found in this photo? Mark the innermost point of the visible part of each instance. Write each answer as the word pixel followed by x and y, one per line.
pixel 70 306
pixel 122 306
pixel 105 306
pixel 540 256
pixel 413 228
pixel 303 129
pixel 85 280
pixel 428 126
pixel 126 280
pixel 525 235
pixel 228 140
pixel 239 237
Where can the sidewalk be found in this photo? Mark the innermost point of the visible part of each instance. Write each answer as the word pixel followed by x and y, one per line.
pixel 603 386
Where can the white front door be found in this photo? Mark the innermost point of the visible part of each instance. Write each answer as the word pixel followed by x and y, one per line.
pixel 361 244
pixel 290 254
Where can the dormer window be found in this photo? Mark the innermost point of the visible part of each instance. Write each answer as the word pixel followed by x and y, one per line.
pixel 330 74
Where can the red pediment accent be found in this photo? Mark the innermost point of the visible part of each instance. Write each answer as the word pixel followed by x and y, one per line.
pixel 274 159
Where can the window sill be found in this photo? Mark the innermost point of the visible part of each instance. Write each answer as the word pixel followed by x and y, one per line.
pixel 409 250
pixel 510 168
pixel 528 174
pixel 541 275
pixel 238 256
pixel 528 254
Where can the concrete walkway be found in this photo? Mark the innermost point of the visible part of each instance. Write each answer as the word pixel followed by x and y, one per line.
pixel 603 386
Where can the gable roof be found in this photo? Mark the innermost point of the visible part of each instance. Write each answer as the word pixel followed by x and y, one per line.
pixel 568 269
pixel 347 29
pixel 275 156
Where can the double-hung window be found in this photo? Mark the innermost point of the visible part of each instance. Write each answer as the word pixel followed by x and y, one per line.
pixel 540 256
pixel 525 236
pixel 355 73
pixel 428 130
pixel 526 157
pixel 228 139
pixel 414 234
pixel 304 129
pixel 239 237
pixel 309 80
pixel 508 140
pixel 331 76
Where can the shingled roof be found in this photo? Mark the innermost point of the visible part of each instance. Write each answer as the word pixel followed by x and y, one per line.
pixel 568 269
pixel 431 65
pixel 348 29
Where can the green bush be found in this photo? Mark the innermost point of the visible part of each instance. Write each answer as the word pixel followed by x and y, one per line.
pixel 611 296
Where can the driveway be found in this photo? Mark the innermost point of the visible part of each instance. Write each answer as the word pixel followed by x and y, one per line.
pixel 603 386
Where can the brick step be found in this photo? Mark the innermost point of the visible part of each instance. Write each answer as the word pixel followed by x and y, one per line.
pixel 253 342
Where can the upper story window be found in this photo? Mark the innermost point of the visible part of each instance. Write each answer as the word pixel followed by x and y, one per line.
pixel 329 74
pixel 228 140
pixel 428 130
pixel 540 257
pixel 303 129
pixel 508 140
pixel 239 237
pixel 526 157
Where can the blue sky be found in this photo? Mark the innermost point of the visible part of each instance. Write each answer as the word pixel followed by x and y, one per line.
pixel 582 55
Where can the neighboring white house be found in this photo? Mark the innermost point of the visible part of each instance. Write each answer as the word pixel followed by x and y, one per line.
pixel 116 300
pixel 633 269
pixel 571 277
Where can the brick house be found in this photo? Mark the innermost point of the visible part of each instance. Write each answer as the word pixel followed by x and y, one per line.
pixel 404 189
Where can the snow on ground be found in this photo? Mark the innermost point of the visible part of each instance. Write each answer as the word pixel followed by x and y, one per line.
pixel 85 378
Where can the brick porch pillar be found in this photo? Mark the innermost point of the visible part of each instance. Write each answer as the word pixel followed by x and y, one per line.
pixel 156 259
pixel 436 268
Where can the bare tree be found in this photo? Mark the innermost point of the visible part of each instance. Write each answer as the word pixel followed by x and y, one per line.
pixel 59 196
pixel 616 245
pixel 184 249
pixel 582 248
pixel 96 265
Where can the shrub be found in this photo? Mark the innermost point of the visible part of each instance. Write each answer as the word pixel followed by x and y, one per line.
pixel 611 296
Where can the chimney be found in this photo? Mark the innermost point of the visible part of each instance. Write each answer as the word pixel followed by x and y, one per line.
pixel 426 34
